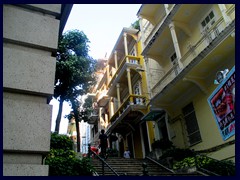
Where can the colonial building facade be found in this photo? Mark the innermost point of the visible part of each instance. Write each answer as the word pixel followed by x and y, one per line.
pixel 187 45
pixel 160 81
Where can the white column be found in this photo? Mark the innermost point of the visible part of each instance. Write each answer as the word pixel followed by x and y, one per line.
pixel 129 85
pixel 223 9
pixel 166 8
pixel 175 43
pixel 115 59
pixel 107 71
pixel 118 95
pixel 125 46
pixel 129 81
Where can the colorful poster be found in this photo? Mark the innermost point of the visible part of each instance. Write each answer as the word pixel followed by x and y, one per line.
pixel 222 103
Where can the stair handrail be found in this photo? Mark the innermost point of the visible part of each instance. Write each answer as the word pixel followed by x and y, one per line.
pixel 159 164
pixel 104 162
pixel 197 154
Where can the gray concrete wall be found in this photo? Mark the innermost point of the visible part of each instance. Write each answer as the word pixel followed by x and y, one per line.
pixel 30 36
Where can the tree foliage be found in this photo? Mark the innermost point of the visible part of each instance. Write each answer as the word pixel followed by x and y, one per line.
pixel 59 141
pixel 136 25
pixel 63 161
pixel 74 69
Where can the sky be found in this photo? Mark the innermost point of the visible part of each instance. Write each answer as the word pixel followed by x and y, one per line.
pixel 102 24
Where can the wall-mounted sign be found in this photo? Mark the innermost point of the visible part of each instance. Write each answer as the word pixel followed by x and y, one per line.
pixel 222 103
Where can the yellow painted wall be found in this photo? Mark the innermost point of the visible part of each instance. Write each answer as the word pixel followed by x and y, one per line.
pixel 178 140
pixel 209 130
pixel 210 133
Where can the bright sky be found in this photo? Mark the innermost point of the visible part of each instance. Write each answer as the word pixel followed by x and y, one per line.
pixel 102 24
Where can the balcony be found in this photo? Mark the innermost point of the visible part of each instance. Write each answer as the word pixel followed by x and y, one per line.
pixel 93 118
pixel 200 62
pixel 154 20
pixel 128 114
pixel 120 75
pixel 102 98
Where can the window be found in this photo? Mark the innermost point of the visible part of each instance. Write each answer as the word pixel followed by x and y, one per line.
pixel 162 128
pixel 175 63
pixel 137 91
pixel 192 128
pixel 209 17
pixel 206 24
pixel 133 53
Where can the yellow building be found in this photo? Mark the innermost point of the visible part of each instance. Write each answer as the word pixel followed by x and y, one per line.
pixel 184 46
pixel 122 98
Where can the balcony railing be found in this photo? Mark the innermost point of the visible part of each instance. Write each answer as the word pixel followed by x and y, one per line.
pixel 133 60
pixel 156 27
pixel 188 57
pixel 130 101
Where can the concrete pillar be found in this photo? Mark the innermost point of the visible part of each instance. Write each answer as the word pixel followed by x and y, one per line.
pixel 125 46
pixel 107 73
pixel 129 85
pixel 115 59
pixel 118 95
pixel 175 43
pixel 166 8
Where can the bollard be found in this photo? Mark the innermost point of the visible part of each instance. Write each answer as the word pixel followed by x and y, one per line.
pixel 145 171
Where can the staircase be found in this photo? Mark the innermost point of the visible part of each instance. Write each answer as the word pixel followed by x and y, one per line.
pixel 133 167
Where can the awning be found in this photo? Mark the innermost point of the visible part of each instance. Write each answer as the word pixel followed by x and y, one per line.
pixel 153 115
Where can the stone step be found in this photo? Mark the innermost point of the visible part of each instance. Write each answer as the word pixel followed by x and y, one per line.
pixel 133 167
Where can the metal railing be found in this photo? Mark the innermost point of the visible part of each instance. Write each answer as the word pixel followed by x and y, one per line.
pixel 104 163
pixel 162 166
pixel 132 99
pixel 134 60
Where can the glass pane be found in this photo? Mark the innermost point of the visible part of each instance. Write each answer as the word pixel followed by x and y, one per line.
pixel 191 123
pixel 211 15
pixel 203 24
pixel 207 19
pixel 195 138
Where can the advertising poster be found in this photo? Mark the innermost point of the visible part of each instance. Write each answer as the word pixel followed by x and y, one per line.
pixel 222 103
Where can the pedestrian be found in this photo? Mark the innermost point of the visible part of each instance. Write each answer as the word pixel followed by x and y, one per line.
pixel 126 153
pixel 94 151
pixel 103 143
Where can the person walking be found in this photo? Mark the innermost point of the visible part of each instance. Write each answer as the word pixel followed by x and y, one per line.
pixel 126 154
pixel 103 143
